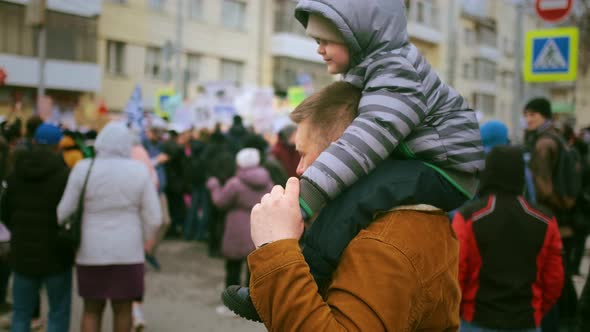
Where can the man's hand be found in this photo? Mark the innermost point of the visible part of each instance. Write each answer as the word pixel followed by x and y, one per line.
pixel 277 216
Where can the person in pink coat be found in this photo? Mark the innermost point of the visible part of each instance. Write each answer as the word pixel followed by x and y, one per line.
pixel 238 196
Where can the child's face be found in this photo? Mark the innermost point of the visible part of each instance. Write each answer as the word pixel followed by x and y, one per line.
pixel 335 55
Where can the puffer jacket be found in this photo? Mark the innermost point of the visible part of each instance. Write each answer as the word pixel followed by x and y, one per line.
pixel 121 204
pixel 29 210
pixel 238 196
pixel 404 106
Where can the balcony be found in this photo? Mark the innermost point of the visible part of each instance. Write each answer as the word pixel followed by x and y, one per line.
pixel 488 52
pixel 61 75
pixel 86 8
pixel 485 87
pixel 294 46
pixel 424 21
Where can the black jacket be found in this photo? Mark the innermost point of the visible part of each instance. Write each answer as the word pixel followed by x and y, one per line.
pixel 29 209
pixel 393 183
pixel 584 309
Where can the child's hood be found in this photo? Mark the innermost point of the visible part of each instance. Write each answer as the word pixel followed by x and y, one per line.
pixel 368 26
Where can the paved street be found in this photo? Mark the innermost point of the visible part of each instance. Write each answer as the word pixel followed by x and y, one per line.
pixel 184 295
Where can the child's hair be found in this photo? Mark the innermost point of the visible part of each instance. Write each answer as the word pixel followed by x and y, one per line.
pixel 330 110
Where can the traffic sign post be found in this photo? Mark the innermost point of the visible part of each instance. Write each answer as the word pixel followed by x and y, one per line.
pixel 553 11
pixel 551 55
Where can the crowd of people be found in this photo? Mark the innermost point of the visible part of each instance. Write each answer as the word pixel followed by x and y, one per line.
pixel 136 188
pixel 344 220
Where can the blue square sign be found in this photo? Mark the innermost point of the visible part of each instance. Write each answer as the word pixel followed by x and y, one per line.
pixel 551 55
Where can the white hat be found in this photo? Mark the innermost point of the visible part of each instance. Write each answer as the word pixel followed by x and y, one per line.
pixel 248 158
pixel 322 28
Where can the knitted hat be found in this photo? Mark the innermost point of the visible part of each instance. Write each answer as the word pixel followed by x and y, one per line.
pixel 248 158
pixel 541 106
pixel 322 28
pixel 47 134
pixel 504 170
pixel 493 133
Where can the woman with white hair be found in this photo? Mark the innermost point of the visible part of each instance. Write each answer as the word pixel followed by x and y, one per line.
pixel 238 196
pixel 121 213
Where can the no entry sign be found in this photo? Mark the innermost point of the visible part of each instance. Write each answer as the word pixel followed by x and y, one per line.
pixel 553 10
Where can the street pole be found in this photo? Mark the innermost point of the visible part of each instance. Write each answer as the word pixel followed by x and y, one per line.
pixel 452 43
pixel 518 82
pixel 41 44
pixel 178 75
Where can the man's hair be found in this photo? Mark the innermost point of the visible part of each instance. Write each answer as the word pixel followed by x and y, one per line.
pixel 32 124
pixel 541 106
pixel 329 111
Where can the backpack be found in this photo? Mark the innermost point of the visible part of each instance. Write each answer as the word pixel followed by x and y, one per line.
pixel 567 182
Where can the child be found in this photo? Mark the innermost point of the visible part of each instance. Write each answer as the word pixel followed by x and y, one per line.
pixel 404 105
pixel 404 109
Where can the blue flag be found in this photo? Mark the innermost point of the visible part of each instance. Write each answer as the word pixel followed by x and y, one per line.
pixel 134 110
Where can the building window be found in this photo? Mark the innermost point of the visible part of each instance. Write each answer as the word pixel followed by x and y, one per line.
pixel 115 57
pixel 153 63
pixel 485 103
pixel 231 71
pixel 195 9
pixel 193 67
pixel 469 36
pixel 120 1
pixel 467 70
pixel 485 70
pixel 233 14
pixel 488 36
pixel 423 12
pixel 156 4
pixel 285 21
pixel 420 12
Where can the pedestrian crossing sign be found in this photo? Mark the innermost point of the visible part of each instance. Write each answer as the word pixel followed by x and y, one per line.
pixel 551 55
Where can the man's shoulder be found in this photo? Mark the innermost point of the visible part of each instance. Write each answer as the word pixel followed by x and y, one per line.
pixel 477 206
pixel 420 236
pixel 548 140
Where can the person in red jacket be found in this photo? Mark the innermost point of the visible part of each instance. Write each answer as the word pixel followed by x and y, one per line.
pixel 284 150
pixel 510 267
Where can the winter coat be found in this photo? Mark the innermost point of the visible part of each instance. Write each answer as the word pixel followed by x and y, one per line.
pixel 584 309
pixel 399 274
pixel 544 158
pixel 510 266
pixel 404 105
pixel 238 196
pixel 121 206
pixel 154 150
pixel 219 158
pixel 29 210
pixel 175 168
pixel 288 156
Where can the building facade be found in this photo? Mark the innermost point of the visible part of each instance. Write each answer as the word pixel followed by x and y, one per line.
pixel 71 67
pixel 220 40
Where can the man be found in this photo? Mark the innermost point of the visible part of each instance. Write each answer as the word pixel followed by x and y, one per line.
pixel 176 186
pixel 29 209
pixel 545 149
pixel 284 150
pixel 510 266
pixel 397 274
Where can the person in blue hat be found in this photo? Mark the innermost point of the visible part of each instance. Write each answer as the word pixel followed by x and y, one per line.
pixel 493 133
pixel 34 189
